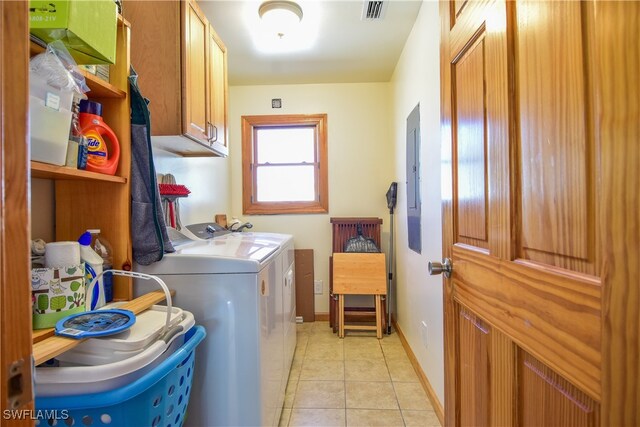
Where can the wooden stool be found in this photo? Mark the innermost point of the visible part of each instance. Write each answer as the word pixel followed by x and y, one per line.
pixel 359 274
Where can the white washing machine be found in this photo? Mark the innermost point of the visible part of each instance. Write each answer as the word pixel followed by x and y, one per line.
pixel 240 287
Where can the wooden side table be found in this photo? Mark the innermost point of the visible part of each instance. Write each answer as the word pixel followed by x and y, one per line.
pixel 344 228
pixel 359 274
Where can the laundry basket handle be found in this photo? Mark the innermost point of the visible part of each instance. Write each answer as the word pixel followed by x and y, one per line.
pixel 142 276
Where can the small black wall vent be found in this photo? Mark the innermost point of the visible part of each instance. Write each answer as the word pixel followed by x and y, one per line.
pixel 373 10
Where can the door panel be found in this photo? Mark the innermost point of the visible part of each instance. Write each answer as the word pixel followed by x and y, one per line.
pixel 537 129
pixel 547 397
pixel 470 129
pixel 556 144
pixel 474 342
pixel 503 380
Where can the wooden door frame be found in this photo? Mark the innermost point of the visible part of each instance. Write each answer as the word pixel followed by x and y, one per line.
pixel 15 298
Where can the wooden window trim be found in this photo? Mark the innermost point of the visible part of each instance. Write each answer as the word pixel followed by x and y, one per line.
pixel 252 207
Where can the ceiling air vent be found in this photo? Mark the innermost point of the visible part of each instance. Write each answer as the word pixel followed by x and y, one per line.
pixel 373 10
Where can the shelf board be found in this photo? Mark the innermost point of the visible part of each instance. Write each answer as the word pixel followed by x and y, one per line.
pixel 47 171
pixel 47 345
pixel 99 88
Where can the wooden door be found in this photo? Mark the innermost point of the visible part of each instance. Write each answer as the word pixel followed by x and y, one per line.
pixel 541 214
pixel 15 298
pixel 218 91
pixel 195 96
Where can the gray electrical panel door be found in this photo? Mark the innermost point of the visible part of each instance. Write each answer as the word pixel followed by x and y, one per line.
pixel 413 179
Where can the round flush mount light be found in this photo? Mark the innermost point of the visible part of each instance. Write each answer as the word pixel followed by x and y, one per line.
pixel 282 8
pixel 280 17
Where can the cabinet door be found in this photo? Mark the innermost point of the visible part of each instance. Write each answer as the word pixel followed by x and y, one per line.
pixel 218 92
pixel 195 78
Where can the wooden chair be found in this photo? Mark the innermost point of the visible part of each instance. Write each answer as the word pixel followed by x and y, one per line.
pixel 359 274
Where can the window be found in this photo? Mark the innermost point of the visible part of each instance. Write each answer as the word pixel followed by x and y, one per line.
pixel 284 164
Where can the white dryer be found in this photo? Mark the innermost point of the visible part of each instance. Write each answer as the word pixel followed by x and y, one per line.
pixel 240 287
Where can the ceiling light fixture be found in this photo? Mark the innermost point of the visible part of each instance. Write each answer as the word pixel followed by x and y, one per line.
pixel 280 16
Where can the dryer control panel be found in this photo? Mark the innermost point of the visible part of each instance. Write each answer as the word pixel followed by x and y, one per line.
pixel 207 230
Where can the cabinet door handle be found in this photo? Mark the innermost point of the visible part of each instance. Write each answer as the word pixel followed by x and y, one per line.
pixel 211 137
pixel 214 138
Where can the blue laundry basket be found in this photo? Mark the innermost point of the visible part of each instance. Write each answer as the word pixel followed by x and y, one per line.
pixel 157 399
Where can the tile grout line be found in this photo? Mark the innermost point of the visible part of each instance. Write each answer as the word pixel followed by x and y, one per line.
pixel 386 362
pixel 307 359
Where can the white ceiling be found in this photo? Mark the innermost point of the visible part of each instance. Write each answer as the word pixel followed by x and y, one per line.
pixel 346 49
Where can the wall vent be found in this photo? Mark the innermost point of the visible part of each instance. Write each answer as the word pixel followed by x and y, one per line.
pixel 373 10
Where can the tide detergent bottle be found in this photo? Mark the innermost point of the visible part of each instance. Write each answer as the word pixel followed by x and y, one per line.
pixel 102 157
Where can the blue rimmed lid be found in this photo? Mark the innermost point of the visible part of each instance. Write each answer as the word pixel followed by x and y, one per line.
pixel 96 323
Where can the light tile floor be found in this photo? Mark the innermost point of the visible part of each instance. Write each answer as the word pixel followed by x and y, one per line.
pixel 355 381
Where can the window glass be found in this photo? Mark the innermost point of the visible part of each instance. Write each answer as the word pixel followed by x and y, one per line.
pixel 290 145
pixel 286 183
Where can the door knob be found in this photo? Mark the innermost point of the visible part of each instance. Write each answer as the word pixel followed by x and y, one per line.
pixel 445 267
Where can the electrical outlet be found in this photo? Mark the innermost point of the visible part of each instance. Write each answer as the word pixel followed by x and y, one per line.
pixel 317 287
pixel 423 333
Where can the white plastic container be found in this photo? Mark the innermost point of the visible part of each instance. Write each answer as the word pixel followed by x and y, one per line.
pixel 102 247
pixel 73 378
pixel 50 121
pixel 146 331
pixel 93 266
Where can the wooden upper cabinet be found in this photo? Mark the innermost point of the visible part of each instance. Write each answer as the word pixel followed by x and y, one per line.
pixel 172 52
pixel 217 76
pixel 194 101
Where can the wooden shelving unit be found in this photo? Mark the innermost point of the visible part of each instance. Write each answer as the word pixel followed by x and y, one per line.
pixel 85 200
pixel 47 171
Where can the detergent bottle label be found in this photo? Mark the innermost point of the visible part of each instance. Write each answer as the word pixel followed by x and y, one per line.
pixel 97 148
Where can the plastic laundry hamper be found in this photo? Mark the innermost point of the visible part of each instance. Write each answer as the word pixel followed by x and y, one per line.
pixel 159 398
pixel 88 370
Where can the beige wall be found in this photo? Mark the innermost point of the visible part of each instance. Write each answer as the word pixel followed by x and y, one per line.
pixel 206 177
pixel 361 158
pixel 416 80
